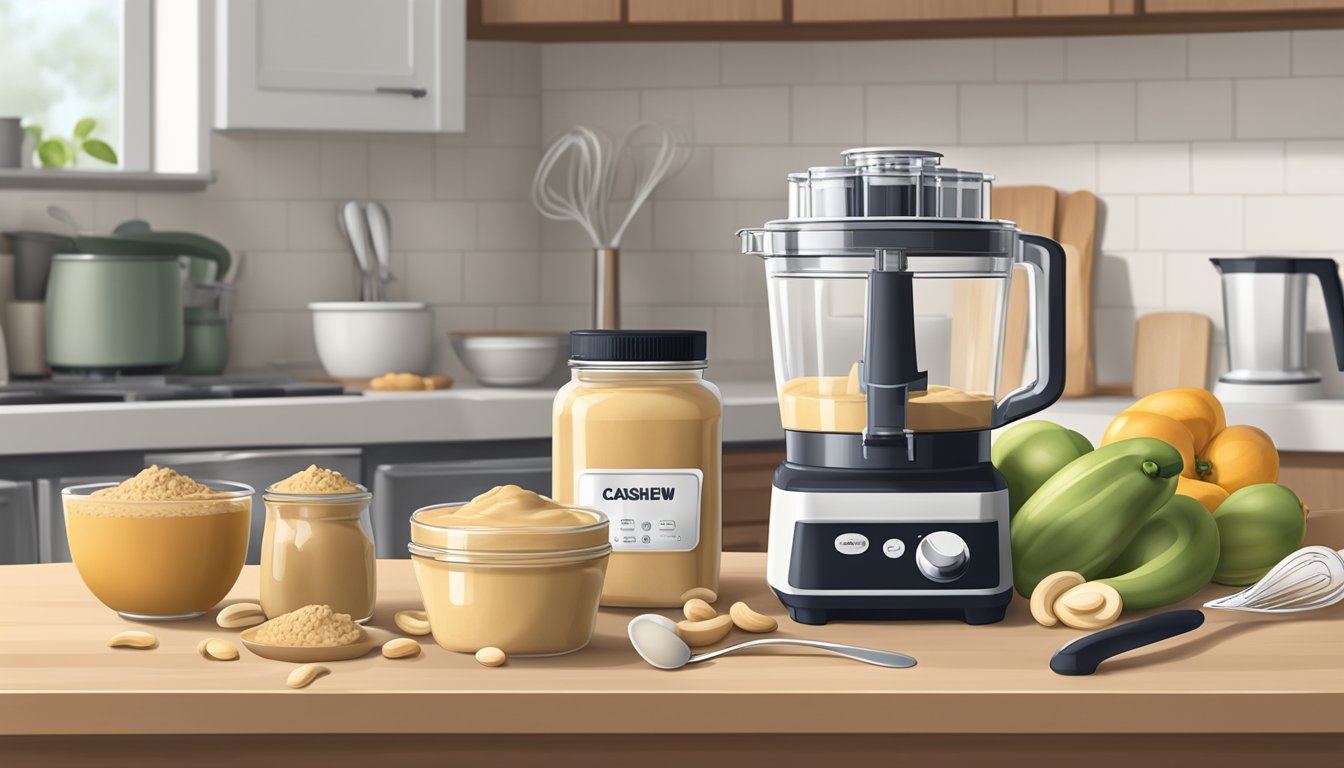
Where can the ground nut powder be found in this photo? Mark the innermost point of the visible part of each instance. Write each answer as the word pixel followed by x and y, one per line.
pixel 155 483
pixel 312 626
pixel 315 481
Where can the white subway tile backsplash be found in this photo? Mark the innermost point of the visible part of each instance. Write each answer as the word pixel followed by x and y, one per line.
pixel 1190 223
pixel 714 277
pixel 515 121
pixel 1233 167
pixel 1143 168
pixel 233 162
pixel 1297 108
pixel 543 317
pixel 992 114
pixel 450 171
pixel 288 280
pixel 1314 167
pixel 567 277
pixel 1318 52
pixel 501 277
pixel 746 173
pixel 401 170
pixel 683 317
pixel 526 65
pixel 1195 284
pixel 1028 59
pixel 1133 279
pixel 244 224
pixel 253 341
pixel 1068 167
pixel 1194 109
pixel 434 277
pixel 692 181
pixel 507 226
pixel 1126 57
pixel 766 63
pixel 1068 112
pixel 733 335
pixel 653 278
pixel 903 61
pixel 286 168
pixel 313 226
pixel 1294 223
pixel 629 65
pixel 684 225
pixel 1113 332
pixel 343 169
pixel 497 173
pixel 111 209
pixel 612 112
pixel 490 68
pixel 741 115
pixel 907 115
pixel 1117 223
pixel 1241 54
pixel 432 226
pixel 827 114
pixel 167 210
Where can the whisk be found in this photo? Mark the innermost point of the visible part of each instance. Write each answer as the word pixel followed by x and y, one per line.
pixel 1310 578
pixel 574 182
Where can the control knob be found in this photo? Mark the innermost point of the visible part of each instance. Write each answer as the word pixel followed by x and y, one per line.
pixel 942 556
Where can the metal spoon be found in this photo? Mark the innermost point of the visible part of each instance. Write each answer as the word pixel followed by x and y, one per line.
pixel 380 233
pixel 64 216
pixel 655 638
pixel 352 222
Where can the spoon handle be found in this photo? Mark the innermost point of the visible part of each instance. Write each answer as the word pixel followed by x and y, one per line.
pixel 866 655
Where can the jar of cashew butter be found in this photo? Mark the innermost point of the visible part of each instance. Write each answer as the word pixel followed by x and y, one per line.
pixel 636 433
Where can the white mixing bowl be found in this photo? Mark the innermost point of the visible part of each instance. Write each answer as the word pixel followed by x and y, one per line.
pixel 363 339
pixel 509 358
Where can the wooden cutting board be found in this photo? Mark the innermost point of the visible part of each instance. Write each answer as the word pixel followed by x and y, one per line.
pixel 1171 349
pixel 365 385
pixel 1076 230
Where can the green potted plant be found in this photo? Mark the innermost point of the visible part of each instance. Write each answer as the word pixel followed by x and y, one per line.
pixel 59 152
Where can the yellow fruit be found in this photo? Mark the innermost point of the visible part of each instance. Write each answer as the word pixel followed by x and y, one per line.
pixel 1131 424
pixel 1239 456
pixel 1196 408
pixel 1208 494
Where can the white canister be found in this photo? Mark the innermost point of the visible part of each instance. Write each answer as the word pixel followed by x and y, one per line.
pixel 26 336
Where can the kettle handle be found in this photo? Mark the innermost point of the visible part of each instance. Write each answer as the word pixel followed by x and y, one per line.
pixel 1045 258
pixel 1327 271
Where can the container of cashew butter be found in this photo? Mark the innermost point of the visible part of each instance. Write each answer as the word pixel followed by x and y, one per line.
pixel 636 433
pixel 512 570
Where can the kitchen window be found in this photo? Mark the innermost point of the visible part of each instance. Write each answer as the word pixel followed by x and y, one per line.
pixel 113 86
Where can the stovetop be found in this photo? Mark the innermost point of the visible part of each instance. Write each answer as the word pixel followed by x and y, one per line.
pixel 151 388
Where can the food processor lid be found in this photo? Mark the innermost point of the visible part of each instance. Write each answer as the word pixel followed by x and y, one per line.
pixel 934 246
pixel 863 157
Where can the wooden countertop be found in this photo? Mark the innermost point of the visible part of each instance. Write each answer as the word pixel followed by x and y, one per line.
pixel 1237 674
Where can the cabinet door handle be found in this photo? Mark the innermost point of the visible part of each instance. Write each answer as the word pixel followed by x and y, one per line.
pixel 414 93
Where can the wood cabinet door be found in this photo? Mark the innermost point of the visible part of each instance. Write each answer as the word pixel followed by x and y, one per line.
pixel 1074 7
pixel 701 11
pixel 550 11
pixel 1237 6
pixel 823 11
pixel 369 65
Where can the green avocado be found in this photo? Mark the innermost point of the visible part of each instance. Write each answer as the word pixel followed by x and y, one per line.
pixel 1258 526
pixel 1029 453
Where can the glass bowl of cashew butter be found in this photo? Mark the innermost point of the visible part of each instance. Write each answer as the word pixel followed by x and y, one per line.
pixel 510 569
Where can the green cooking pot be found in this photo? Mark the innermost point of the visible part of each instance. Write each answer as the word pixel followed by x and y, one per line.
pixel 116 306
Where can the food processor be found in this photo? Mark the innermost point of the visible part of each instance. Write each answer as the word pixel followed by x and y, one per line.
pixel 888 288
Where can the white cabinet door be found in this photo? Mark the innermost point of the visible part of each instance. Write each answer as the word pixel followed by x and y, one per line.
pixel 340 65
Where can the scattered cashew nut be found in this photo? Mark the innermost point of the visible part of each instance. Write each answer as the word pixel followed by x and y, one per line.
pixel 702 593
pixel 748 620
pixel 698 610
pixel 1092 605
pixel 305 674
pixel 401 648
pixel 412 622
pixel 491 656
pixel 133 639
pixel 708 632
pixel 217 650
pixel 240 615
pixel 1049 589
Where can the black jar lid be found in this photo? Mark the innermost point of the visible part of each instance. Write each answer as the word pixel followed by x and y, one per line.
pixel 637 346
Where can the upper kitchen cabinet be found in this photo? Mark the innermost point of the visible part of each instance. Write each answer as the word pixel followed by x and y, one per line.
pixel 341 65
pixel 831 11
pixel 1238 6
pixel 550 11
pixel 1065 8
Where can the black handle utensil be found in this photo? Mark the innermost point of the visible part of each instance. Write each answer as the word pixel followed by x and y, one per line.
pixel 1082 656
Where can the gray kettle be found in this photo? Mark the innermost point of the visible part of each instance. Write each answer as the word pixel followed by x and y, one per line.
pixel 115 305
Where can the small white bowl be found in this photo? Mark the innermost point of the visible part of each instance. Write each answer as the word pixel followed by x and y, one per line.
pixel 509 358
pixel 363 339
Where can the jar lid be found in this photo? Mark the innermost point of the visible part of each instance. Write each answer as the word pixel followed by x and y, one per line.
pixel 638 346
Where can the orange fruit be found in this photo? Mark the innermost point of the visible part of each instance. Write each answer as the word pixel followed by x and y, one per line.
pixel 1208 494
pixel 1144 424
pixel 1196 408
pixel 1239 456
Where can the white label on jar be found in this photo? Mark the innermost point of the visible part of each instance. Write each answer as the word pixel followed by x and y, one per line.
pixel 650 510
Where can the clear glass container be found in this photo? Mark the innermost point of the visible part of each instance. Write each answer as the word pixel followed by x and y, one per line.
pixel 158 560
pixel 531 591
pixel 645 425
pixel 318 549
pixel 818 274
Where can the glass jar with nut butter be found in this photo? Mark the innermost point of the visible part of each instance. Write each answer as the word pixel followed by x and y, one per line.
pixel 636 435
pixel 317 546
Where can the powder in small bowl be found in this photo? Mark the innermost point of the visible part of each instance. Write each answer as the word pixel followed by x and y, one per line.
pixel 315 481
pixel 312 626
pixel 155 483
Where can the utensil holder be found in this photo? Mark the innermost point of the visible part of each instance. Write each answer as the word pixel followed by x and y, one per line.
pixel 606 289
